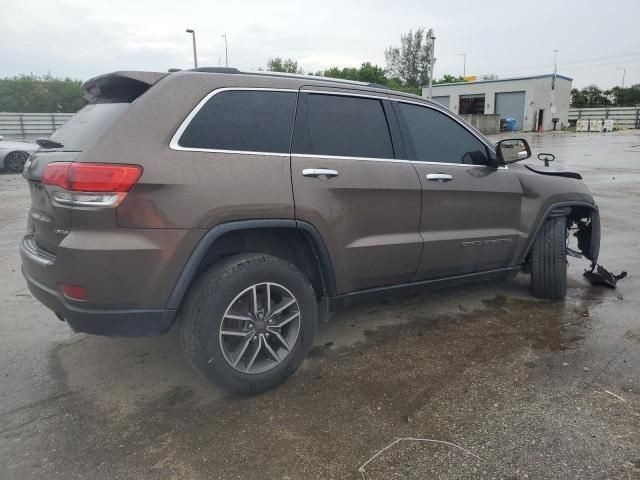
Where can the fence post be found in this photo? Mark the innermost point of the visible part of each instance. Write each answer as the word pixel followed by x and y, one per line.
pixel 22 132
pixel 637 116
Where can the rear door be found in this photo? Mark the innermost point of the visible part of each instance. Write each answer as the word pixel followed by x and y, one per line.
pixel 470 210
pixel 347 183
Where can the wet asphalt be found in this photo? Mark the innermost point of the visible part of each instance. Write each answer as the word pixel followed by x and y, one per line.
pixel 517 387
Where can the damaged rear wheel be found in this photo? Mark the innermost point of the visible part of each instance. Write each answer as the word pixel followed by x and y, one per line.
pixel 549 260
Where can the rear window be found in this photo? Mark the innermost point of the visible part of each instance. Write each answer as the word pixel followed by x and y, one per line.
pixel 239 120
pixel 88 124
pixel 343 126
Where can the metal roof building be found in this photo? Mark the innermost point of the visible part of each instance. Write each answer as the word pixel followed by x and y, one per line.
pixel 534 102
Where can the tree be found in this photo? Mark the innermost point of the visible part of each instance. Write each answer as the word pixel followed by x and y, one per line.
pixel 366 73
pixel 450 79
pixel 410 62
pixel 624 97
pixel 589 96
pixel 31 93
pixel 286 66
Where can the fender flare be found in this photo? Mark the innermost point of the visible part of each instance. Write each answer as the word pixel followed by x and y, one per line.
pixel 562 209
pixel 190 268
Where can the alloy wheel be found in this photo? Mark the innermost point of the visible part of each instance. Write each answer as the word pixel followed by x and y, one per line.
pixel 260 328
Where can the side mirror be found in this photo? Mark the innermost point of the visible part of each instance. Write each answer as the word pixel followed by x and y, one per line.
pixel 512 150
pixel 546 158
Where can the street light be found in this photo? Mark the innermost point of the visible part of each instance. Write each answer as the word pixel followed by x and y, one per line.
pixel 624 72
pixel 195 55
pixel 226 51
pixel 464 64
pixel 432 62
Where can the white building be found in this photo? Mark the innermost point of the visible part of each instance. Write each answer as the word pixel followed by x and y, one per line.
pixel 533 102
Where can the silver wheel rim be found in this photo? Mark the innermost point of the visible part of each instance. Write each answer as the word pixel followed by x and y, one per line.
pixel 259 328
pixel 15 160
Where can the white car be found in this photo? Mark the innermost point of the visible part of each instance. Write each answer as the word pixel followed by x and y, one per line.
pixel 13 155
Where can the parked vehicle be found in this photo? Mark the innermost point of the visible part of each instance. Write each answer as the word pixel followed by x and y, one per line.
pixel 13 155
pixel 243 208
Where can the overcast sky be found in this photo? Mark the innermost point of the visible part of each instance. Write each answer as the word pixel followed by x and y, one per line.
pixel 81 39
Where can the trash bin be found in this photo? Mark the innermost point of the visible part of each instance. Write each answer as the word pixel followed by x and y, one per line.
pixel 511 124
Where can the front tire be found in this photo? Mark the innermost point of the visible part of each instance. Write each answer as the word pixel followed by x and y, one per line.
pixel 549 260
pixel 248 322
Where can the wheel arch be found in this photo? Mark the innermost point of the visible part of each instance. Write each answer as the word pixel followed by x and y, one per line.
pixel 258 236
pixel 574 210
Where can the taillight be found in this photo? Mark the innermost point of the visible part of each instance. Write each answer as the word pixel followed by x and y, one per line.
pixel 91 184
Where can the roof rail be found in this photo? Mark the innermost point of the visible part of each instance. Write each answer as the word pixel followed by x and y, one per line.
pixel 286 75
pixel 215 70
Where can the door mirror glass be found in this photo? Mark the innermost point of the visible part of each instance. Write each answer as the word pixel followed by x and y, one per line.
pixel 513 150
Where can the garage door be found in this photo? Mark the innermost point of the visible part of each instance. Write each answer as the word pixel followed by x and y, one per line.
pixel 442 100
pixel 511 104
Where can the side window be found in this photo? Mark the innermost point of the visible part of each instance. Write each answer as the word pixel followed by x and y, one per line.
pixel 244 120
pixel 344 126
pixel 434 137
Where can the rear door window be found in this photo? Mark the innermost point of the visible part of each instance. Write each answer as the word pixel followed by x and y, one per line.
pixel 243 120
pixel 435 137
pixel 343 126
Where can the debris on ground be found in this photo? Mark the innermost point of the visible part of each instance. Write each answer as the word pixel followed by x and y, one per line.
pixel 602 276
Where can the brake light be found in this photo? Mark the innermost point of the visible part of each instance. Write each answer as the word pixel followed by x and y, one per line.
pixel 91 184
pixel 56 173
pixel 92 177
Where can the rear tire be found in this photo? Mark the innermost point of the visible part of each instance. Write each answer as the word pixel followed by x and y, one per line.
pixel 549 260
pixel 230 322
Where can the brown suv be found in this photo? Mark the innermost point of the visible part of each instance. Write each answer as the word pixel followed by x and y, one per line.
pixel 244 207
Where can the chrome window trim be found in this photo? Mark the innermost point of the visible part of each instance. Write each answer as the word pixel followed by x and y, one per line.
pixel 343 94
pixel 174 142
pixel 341 157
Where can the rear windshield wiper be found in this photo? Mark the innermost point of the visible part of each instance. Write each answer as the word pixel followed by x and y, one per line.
pixel 48 143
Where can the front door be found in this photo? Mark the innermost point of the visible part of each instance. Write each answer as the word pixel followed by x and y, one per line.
pixel 470 211
pixel 348 184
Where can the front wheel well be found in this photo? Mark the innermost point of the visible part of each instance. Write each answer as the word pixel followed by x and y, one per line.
pixel 584 218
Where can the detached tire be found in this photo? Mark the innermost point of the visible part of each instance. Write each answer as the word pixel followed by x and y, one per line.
pixel 248 322
pixel 549 260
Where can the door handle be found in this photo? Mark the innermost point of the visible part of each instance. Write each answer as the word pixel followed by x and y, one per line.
pixel 319 172
pixel 439 177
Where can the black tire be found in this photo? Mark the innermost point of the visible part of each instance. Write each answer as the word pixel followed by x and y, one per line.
pixel 549 260
pixel 14 161
pixel 208 300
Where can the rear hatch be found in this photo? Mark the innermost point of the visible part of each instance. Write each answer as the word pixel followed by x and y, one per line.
pixel 109 97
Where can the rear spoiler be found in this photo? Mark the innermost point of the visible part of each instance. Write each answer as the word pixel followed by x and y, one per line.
pixel 119 86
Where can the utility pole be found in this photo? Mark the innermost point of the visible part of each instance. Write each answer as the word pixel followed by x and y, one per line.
pixel 624 72
pixel 226 51
pixel 432 62
pixel 464 65
pixel 555 69
pixel 195 55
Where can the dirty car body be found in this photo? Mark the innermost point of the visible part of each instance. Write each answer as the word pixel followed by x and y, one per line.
pixel 320 191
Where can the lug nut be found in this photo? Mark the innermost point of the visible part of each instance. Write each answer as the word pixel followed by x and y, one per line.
pixel 251 325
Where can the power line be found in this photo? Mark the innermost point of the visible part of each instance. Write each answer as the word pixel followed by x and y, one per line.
pixel 576 62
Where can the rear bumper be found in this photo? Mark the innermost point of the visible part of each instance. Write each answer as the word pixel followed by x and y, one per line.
pixel 119 323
